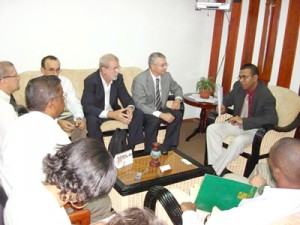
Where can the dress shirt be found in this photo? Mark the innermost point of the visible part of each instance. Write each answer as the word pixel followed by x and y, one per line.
pixel 73 104
pixel 8 114
pixel 29 139
pixel 272 205
pixel 107 106
pixel 27 199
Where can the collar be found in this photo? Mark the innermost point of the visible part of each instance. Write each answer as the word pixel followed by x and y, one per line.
pixel 103 81
pixel 5 96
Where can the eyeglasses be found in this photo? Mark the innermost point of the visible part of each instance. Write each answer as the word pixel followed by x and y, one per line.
pixel 113 68
pixel 163 65
pixel 63 96
pixel 52 70
pixel 14 76
pixel 244 77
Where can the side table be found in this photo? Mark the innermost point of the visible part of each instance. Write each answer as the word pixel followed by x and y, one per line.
pixel 206 108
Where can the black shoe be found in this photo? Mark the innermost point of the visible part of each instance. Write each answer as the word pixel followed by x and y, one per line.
pixel 164 149
pixel 210 170
pixel 225 171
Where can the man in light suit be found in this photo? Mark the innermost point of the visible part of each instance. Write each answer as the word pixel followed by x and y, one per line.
pixel 254 106
pixel 146 90
pixel 101 93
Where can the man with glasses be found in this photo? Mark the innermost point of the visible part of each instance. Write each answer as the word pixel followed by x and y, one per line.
pixel 102 90
pixel 9 83
pixel 254 106
pixel 72 119
pixel 32 136
pixel 150 91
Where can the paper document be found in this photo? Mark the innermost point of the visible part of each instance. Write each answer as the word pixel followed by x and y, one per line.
pixel 220 99
pixel 197 98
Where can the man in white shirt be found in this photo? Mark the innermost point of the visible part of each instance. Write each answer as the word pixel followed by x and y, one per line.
pixel 9 83
pixel 33 135
pixel 274 203
pixel 72 119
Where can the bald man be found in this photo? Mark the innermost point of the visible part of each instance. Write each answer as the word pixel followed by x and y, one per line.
pixel 274 203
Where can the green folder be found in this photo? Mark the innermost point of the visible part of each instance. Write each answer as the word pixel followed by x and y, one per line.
pixel 222 193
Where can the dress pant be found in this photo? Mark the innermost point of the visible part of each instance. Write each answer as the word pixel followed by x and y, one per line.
pixel 152 125
pixel 218 157
pixel 135 128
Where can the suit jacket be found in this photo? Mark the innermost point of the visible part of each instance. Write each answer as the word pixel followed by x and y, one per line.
pixel 93 98
pixel 263 109
pixel 143 91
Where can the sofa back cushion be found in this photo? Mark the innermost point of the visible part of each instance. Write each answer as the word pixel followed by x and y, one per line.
pixel 77 77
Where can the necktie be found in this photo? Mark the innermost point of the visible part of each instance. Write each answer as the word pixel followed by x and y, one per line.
pixel 157 96
pixel 244 112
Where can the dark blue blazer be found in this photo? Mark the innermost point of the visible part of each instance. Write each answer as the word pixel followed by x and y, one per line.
pixel 93 95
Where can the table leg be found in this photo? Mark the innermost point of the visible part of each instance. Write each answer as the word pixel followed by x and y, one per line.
pixel 201 126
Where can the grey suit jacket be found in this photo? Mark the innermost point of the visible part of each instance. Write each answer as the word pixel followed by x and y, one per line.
pixel 143 91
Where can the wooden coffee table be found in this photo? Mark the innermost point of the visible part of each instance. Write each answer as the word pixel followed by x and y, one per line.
pixel 129 192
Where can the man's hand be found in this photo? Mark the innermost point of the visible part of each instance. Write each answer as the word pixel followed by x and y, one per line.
pixel 188 206
pixel 129 112
pixel 176 104
pixel 223 109
pixel 168 117
pixel 120 115
pixel 80 123
pixel 236 120
pixel 66 125
pixel 258 181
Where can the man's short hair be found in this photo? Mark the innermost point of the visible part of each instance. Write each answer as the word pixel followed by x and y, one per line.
pixel 105 59
pixel 40 90
pixel 4 68
pixel 154 56
pixel 51 57
pixel 253 68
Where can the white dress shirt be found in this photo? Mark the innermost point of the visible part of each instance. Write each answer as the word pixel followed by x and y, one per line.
pixel 28 140
pixel 7 112
pixel 27 199
pixel 272 205
pixel 73 104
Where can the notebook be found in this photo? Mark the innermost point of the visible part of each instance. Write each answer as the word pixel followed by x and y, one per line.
pixel 222 193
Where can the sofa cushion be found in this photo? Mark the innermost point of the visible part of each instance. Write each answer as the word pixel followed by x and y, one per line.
pixel 77 77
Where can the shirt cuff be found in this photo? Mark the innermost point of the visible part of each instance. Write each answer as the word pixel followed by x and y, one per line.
pixel 156 113
pixel 104 113
pixel 190 217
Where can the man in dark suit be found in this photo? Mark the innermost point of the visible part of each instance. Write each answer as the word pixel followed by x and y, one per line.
pixel 101 93
pixel 254 106
pixel 150 91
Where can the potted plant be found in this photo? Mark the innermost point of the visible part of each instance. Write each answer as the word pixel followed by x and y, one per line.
pixel 205 87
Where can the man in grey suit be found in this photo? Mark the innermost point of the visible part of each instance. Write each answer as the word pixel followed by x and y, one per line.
pixel 150 91
pixel 254 106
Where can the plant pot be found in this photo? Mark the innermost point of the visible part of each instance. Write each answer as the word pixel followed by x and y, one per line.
pixel 205 93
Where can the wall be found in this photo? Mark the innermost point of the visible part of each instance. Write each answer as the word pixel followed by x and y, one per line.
pixel 78 32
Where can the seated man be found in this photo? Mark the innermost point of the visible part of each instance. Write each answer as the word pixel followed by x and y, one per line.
pixel 72 119
pixel 9 83
pixel 32 136
pixel 150 91
pixel 101 93
pixel 274 203
pixel 254 106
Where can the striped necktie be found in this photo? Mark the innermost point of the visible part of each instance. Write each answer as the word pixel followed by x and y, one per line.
pixel 157 96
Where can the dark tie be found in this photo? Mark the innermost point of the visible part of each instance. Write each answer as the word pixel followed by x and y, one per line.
pixel 157 96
